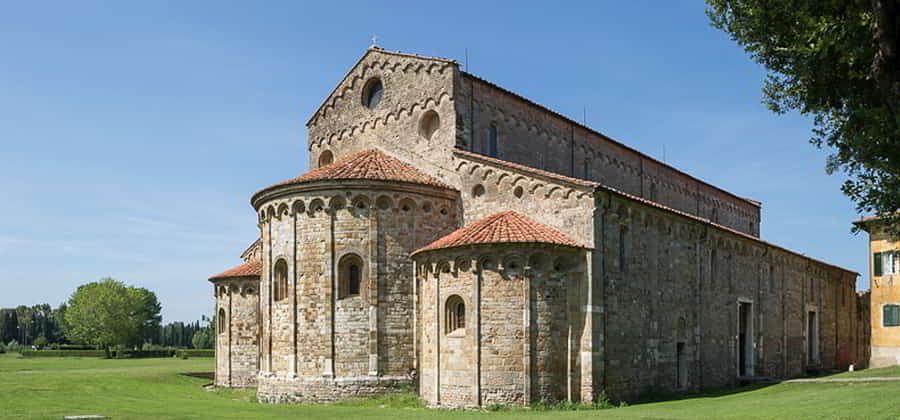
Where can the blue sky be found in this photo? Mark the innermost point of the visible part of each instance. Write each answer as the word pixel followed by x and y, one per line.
pixel 134 133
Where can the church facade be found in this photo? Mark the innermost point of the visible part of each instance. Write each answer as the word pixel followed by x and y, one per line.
pixel 458 238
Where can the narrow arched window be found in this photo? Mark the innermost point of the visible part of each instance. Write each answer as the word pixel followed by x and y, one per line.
pixel 492 140
pixel 326 158
pixel 372 93
pixel 455 314
pixel 353 287
pixel 280 283
pixel 350 276
pixel 220 321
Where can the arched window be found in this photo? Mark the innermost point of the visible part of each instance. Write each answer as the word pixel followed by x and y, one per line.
pixel 350 276
pixel 326 158
pixel 455 311
pixel 372 93
pixel 429 124
pixel 492 140
pixel 280 280
pixel 220 321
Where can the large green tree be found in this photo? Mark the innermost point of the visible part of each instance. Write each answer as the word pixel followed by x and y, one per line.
pixel 109 313
pixel 146 315
pixel 838 61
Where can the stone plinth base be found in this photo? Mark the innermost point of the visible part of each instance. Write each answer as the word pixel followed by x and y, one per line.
pixel 281 389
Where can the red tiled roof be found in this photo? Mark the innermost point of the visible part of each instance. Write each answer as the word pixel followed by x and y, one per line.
pixel 369 164
pixel 505 227
pixel 247 269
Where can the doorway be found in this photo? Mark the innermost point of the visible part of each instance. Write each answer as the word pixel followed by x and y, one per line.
pixel 745 339
pixel 812 338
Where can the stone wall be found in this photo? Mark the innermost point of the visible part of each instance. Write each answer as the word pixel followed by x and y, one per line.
pixel 317 335
pixel 522 324
pixel 412 87
pixel 534 136
pixel 675 283
pixel 237 346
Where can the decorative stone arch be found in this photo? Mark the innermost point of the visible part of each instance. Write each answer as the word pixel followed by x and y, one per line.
pixel 513 265
pixel 351 276
pixel 315 207
pixel 538 261
pixel 298 207
pixel 384 203
pixel 282 210
pixel 407 205
pixel 487 262
pixel 360 204
pixel 337 202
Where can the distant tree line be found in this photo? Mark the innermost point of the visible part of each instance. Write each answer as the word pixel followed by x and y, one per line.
pixel 180 334
pixel 103 315
pixel 28 325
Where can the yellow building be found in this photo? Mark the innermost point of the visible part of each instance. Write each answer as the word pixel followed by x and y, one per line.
pixel 884 275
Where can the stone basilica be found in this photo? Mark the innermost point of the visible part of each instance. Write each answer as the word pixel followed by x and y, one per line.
pixel 458 239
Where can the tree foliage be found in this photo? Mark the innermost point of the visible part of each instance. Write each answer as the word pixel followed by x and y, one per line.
pixel 26 323
pixel 838 61
pixel 109 313
pixel 203 339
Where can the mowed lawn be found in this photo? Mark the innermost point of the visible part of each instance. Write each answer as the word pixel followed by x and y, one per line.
pixel 153 388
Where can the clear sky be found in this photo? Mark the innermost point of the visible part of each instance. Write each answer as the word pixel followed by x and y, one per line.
pixel 134 133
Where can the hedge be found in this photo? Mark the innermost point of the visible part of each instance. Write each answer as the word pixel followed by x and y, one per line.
pixel 186 353
pixel 115 354
pixel 62 353
pixel 141 354
pixel 121 354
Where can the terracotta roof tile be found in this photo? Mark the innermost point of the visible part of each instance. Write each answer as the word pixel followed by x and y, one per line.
pixel 369 164
pixel 505 227
pixel 247 269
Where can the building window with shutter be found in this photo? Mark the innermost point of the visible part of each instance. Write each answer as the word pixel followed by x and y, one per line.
pixel 890 315
pixel 886 263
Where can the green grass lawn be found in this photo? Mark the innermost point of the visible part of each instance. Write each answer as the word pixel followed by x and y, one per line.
pixel 153 388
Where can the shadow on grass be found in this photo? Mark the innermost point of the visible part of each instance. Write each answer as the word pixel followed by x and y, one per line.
pixel 200 375
pixel 661 396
